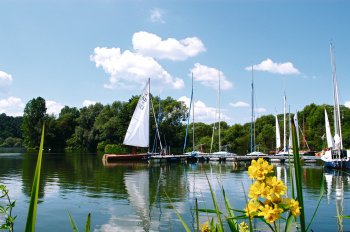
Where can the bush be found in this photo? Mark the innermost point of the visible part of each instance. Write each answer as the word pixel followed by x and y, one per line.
pixel 115 149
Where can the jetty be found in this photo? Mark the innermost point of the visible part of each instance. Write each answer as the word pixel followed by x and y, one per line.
pixel 229 158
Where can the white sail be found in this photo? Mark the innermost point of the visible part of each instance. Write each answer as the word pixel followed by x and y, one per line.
pixel 328 130
pixel 290 140
pixel 278 135
pixel 297 127
pixel 138 131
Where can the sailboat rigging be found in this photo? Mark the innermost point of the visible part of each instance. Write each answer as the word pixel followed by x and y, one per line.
pixel 335 156
pixel 253 151
pixel 137 134
pixel 221 154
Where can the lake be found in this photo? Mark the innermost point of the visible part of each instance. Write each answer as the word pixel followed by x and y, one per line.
pixel 140 196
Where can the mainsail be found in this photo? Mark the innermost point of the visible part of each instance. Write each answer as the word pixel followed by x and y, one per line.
pixel 138 131
pixel 278 135
pixel 328 130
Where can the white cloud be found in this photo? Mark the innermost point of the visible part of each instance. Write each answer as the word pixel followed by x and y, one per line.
pixel 203 113
pixel 157 15
pixel 152 45
pixel 53 107
pixel 12 106
pixel 128 67
pixel 347 104
pixel 210 77
pixel 5 80
pixel 260 110
pixel 280 68
pixel 88 102
pixel 239 104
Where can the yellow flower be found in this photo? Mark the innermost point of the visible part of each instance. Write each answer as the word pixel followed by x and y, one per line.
pixel 259 189
pixel 270 213
pixel 277 186
pixel 259 169
pixel 294 207
pixel 252 208
pixel 205 227
pixel 243 227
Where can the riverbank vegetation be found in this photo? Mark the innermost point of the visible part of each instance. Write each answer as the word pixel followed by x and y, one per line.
pixel 91 128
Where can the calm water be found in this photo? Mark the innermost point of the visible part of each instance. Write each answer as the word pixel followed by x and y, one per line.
pixel 133 197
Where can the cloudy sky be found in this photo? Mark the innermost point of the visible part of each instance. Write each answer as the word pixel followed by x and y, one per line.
pixel 78 53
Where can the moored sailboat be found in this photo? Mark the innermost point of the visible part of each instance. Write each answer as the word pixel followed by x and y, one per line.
pixel 253 151
pixel 335 156
pixel 137 134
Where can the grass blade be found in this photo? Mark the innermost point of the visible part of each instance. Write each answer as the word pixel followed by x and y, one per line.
pixel 298 177
pixel 318 202
pixel 31 217
pixel 231 221
pixel 197 215
pixel 187 229
pixel 88 222
pixel 218 213
pixel 74 226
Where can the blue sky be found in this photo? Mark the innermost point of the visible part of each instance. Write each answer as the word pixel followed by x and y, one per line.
pixel 77 52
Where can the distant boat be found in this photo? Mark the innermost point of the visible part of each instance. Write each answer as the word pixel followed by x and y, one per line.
pixel 253 151
pixel 137 134
pixel 335 156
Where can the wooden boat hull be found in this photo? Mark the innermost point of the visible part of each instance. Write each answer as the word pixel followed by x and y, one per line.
pixel 125 157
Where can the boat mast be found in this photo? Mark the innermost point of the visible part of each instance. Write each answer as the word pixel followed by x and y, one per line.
pixel 284 125
pixel 149 124
pixel 252 127
pixel 337 123
pixel 219 116
pixel 192 117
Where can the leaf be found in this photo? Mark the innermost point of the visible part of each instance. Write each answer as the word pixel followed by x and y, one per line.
pixel 187 229
pixel 318 202
pixel 289 223
pixel 31 217
pixel 298 179
pixel 88 221
pixel 74 227
pixel 197 215
pixel 221 228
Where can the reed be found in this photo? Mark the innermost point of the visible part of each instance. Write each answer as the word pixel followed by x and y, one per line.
pixel 31 217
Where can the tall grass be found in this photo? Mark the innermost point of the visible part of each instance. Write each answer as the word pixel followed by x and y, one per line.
pixel 31 217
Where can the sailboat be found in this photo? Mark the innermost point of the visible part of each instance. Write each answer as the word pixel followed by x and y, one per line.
pixel 194 154
pixel 253 152
pixel 335 156
pixel 222 155
pixel 284 150
pixel 137 134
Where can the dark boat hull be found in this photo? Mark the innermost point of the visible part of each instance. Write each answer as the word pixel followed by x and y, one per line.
pixel 125 157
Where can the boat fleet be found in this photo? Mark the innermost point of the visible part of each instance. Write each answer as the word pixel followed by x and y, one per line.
pixel 137 135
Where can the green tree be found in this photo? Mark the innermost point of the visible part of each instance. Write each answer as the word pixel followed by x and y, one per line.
pixel 85 137
pixel 34 116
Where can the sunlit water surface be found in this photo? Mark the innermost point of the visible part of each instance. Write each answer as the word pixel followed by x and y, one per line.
pixel 140 196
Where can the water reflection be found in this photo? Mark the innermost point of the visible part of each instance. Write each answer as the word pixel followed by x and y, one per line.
pixel 335 181
pixel 134 196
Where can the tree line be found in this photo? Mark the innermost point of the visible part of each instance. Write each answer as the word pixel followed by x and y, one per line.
pixel 91 128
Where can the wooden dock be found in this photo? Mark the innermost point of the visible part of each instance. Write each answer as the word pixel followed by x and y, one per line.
pixel 231 158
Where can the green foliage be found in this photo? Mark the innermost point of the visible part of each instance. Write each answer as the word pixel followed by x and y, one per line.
pixel 12 142
pixel 31 218
pixel 91 128
pixel 74 226
pixel 33 117
pixel 115 149
pixel 6 210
